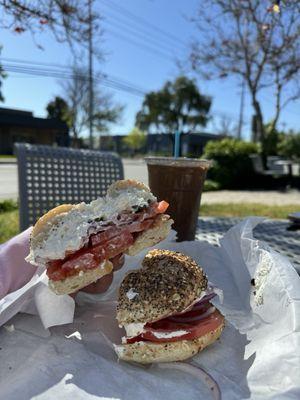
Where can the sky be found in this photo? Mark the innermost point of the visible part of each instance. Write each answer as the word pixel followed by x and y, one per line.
pixel 145 54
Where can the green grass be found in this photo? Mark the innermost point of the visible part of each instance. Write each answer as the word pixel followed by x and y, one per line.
pixel 247 209
pixel 9 225
pixel 9 220
pixel 6 156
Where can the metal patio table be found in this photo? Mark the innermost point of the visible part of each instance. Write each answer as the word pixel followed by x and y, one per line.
pixel 272 231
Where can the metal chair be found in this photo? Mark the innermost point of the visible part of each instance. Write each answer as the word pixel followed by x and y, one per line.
pixel 49 176
pixel 259 167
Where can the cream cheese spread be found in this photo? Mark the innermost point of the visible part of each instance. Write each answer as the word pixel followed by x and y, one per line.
pixel 134 329
pixel 168 335
pixel 131 294
pixel 70 231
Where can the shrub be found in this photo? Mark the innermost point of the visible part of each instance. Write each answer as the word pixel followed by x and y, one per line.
pixel 210 185
pixel 290 146
pixel 135 140
pixel 8 205
pixel 232 167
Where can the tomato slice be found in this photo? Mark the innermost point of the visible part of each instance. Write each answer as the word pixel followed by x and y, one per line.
pixel 162 207
pixel 54 270
pixel 89 258
pixel 83 261
pixel 161 331
pixel 113 247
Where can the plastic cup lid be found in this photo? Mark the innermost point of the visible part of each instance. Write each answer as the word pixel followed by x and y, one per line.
pixel 178 162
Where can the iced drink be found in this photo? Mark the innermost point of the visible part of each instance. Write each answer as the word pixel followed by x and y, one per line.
pixel 180 182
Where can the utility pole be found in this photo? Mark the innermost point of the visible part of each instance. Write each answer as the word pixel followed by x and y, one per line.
pixel 91 89
pixel 241 117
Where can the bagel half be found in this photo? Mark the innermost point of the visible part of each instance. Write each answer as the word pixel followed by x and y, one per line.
pixel 65 231
pixel 165 310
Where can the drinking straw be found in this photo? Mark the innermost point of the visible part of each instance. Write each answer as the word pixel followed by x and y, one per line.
pixel 177 144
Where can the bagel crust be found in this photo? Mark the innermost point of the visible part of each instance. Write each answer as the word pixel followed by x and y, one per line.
pixel 158 232
pixel 76 282
pixel 126 184
pixel 49 218
pixel 150 352
pixel 168 283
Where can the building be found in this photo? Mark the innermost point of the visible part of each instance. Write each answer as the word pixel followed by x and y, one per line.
pixel 22 126
pixel 192 144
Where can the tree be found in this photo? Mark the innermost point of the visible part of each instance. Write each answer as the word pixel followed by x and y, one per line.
pixel 68 20
pixel 76 94
pixel 59 109
pixel 177 106
pixel 135 140
pixel 271 139
pixel 289 145
pixel 2 76
pixel 225 126
pixel 258 43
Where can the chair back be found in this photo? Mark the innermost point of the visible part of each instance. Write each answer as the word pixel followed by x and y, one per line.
pixel 257 163
pixel 272 164
pixel 49 176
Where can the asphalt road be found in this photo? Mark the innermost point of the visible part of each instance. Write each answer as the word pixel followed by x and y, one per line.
pixel 8 181
pixel 133 169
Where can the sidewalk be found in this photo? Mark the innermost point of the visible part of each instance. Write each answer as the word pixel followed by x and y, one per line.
pixel 246 196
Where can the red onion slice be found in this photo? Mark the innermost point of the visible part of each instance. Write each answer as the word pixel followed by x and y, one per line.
pixel 204 299
pixel 198 304
pixel 195 318
pixel 210 293
pixel 197 372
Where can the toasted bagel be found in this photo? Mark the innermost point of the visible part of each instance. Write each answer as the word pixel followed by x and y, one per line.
pixel 48 218
pixel 158 232
pixel 149 352
pixel 76 282
pixel 66 229
pixel 126 184
pixel 167 283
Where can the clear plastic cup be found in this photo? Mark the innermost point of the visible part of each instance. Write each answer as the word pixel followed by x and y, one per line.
pixel 180 182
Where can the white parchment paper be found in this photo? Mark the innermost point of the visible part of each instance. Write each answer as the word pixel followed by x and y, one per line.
pixel 257 357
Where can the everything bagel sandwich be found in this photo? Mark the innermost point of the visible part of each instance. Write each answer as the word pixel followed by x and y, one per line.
pixel 75 243
pixel 166 311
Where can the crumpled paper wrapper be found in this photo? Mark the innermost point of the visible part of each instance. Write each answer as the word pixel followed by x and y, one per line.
pixel 257 356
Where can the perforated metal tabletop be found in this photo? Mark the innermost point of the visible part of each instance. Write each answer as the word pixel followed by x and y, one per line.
pixel 273 232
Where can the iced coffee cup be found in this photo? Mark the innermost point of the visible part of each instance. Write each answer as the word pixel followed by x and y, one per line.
pixel 180 182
